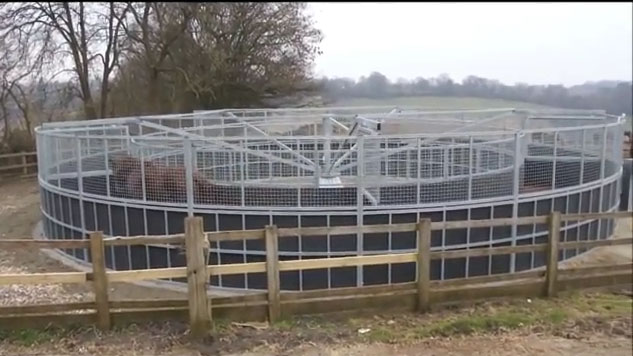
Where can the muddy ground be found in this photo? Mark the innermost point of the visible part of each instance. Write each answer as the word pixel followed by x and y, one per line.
pixel 496 328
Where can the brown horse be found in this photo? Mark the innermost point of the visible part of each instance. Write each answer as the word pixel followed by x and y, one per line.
pixel 162 182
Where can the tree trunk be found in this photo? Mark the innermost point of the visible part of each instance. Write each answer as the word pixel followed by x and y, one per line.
pixel 153 100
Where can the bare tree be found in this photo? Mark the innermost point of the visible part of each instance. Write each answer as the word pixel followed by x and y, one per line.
pixel 152 32
pixel 74 31
pixel 202 55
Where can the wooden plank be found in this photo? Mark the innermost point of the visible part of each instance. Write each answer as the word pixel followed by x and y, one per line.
pixel 347 291
pixel 596 243
pixel 144 240
pixel 495 278
pixel 424 264
pixel 551 273
pixel 100 280
pixel 19 154
pixel 145 274
pixel 272 273
pixel 527 288
pixel 149 304
pixel 41 321
pixel 25 170
pixel 126 317
pixel 406 300
pixel 347 261
pixel 596 280
pixel 237 235
pixel 236 268
pixel 588 270
pixel 241 299
pixel 245 308
pixel 199 308
pixel 33 244
pixel 487 251
pixel 488 222
pixel 45 308
pixel 593 216
pixel 16 166
pixel 43 278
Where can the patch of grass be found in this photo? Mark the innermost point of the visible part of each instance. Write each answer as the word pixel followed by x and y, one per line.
pixel 477 324
pixel 382 334
pixel 285 324
pixel 29 337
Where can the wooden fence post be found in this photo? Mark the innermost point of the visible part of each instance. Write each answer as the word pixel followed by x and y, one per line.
pixel 272 273
pixel 552 254
pixel 424 264
pixel 100 280
pixel 25 169
pixel 199 305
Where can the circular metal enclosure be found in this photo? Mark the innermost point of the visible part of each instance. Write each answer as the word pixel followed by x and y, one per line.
pixel 245 169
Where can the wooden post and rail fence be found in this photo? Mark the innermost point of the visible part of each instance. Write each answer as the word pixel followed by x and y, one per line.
pixel 200 308
pixel 18 164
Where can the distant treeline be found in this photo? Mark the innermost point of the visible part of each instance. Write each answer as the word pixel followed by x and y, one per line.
pixel 614 97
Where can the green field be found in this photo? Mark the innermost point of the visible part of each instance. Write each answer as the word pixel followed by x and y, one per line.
pixel 439 102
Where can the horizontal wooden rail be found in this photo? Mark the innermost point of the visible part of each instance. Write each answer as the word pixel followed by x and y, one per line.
pixel 45 308
pixel 487 251
pixel 19 154
pixel 144 240
pixel 589 270
pixel 16 166
pixel 43 278
pixel 144 274
pixel 595 243
pixel 593 216
pixel 235 268
pixel 346 261
pixel 237 235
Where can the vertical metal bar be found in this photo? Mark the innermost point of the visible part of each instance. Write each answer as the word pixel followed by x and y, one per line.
pixel 419 169
pixel 189 175
pixel 111 248
pixel 301 174
pixel 515 193
pixel 143 178
pixel 360 173
pixel 443 260
pixel 127 233
pixel 470 169
pixel 554 156
pixel 603 157
pixel 328 238
pixel 217 248
pixel 242 171
pixel 389 244
pixel 59 158
pixel 80 188
pixel 147 259
pixel 244 258
pixel 107 169
pixel 327 133
pixel 167 247
pixel 445 162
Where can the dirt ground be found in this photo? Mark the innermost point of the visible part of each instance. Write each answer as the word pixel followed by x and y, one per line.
pixel 583 333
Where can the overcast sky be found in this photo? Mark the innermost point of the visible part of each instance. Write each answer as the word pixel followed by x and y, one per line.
pixel 536 43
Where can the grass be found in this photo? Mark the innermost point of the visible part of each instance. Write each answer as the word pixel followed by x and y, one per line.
pixel 30 337
pixel 492 318
pixel 483 318
pixel 439 102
